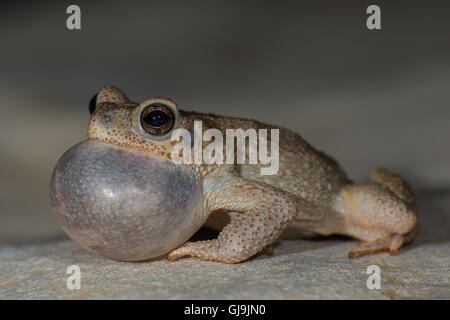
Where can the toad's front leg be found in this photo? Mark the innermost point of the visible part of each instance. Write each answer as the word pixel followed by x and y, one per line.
pixel 263 212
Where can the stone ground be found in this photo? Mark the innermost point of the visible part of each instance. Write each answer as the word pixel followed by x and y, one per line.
pixel 366 98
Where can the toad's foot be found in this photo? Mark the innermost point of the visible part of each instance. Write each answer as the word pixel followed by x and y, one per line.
pixel 260 215
pixel 207 250
pixel 391 244
pixel 380 213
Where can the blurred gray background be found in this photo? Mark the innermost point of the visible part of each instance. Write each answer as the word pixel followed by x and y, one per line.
pixel 368 98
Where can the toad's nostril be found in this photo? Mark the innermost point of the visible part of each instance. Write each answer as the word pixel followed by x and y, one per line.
pixel 105 120
pixel 92 104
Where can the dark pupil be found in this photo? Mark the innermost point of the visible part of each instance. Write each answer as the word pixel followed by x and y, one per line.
pixel 156 118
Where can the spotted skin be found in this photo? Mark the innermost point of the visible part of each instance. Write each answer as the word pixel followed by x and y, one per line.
pixel 310 195
pixel 266 213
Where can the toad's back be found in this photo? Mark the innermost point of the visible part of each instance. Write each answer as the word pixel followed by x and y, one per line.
pixel 303 171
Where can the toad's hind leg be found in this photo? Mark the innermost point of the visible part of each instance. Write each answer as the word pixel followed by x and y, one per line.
pixel 380 213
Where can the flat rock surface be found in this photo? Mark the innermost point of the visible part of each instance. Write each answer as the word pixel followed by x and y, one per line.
pixel 298 270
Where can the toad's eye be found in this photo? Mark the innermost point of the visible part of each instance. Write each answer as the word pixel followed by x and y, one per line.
pixel 92 104
pixel 157 119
